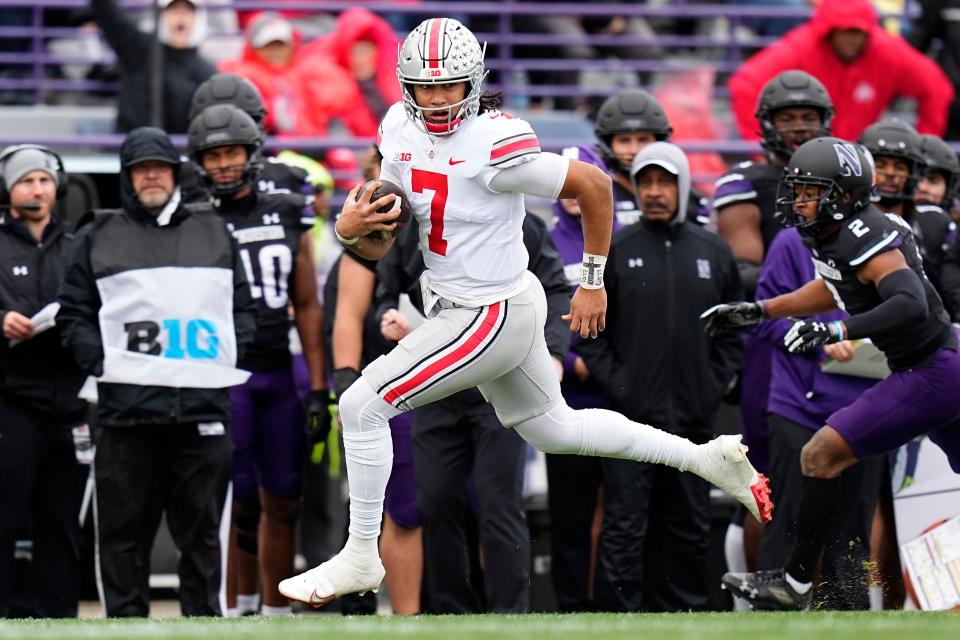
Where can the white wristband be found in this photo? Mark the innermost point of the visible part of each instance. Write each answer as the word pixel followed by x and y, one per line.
pixel 591 271
pixel 346 241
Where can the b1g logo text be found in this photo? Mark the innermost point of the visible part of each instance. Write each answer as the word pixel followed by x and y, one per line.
pixel 196 339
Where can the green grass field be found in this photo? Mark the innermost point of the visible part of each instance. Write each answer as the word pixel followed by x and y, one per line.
pixel 709 626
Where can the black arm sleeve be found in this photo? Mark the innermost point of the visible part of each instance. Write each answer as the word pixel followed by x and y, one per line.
pixel 78 318
pixel 131 45
pixel 904 301
pixel 244 306
pixel 547 265
pixel 749 274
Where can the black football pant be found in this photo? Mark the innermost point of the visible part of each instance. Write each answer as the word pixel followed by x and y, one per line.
pixel 653 546
pixel 572 500
pixel 843 578
pixel 141 473
pixel 40 482
pixel 449 450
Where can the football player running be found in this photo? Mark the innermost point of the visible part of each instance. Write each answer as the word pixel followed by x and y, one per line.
pixel 465 167
pixel 870 266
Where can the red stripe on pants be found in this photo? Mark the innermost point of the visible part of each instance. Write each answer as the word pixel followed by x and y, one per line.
pixel 451 359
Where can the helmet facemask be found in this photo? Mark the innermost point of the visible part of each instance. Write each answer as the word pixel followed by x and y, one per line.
pixel 829 205
pixel 909 187
pixel 441 51
pixel 248 176
pixel 771 138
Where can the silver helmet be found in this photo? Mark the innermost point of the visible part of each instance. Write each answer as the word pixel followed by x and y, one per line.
pixel 441 51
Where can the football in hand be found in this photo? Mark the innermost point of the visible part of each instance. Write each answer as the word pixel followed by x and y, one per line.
pixel 401 203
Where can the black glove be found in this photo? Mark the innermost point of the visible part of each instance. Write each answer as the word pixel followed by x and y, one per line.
pixel 343 378
pixel 727 317
pixel 318 415
pixel 805 335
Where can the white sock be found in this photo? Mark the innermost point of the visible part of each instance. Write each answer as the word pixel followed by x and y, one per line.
pixel 232 612
pixel 274 612
pixel 799 587
pixel 736 558
pixel 361 547
pixel 369 455
pixel 598 432
pixel 248 602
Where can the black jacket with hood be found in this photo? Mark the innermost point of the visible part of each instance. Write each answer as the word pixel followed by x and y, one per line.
pixel 183 70
pixel 38 373
pixel 199 237
pixel 654 360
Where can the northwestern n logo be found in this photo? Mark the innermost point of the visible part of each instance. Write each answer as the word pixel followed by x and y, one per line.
pixel 849 159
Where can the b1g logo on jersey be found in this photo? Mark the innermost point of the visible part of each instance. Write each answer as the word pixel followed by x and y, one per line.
pixel 849 159
pixel 402 156
pixel 195 339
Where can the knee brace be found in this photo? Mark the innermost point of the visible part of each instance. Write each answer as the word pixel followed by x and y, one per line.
pixel 361 409
pixel 246 520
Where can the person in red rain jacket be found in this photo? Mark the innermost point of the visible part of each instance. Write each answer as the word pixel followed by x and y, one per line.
pixel 365 46
pixel 862 66
pixel 302 89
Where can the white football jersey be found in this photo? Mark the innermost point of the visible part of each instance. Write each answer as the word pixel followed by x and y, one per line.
pixel 471 236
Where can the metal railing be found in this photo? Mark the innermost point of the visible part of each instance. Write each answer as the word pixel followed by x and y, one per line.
pixel 501 24
pixel 505 32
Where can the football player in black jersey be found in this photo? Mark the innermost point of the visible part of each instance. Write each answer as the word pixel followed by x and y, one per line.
pixel 267 418
pixel 871 267
pixel 275 175
pixel 793 107
pixel 625 124
pixel 900 165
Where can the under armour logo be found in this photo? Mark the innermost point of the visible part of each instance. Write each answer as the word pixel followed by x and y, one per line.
pixel 21 270
pixel 635 263
pixel 271 218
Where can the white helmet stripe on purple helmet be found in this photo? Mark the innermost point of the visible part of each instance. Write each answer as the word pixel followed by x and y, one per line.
pixel 441 51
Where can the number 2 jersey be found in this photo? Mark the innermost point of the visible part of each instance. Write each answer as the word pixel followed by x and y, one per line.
pixel 268 227
pixel 471 236
pixel 841 255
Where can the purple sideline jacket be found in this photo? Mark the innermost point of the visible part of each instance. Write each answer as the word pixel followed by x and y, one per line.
pixel 567 234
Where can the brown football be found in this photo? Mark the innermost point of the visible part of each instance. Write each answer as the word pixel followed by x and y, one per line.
pixel 386 188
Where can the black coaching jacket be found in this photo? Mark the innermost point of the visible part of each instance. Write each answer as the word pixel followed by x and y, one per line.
pixel 654 360
pixel 38 372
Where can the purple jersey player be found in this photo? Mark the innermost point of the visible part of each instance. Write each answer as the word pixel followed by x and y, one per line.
pixel 870 266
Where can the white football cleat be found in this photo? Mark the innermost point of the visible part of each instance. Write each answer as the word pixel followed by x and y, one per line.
pixel 344 573
pixel 723 462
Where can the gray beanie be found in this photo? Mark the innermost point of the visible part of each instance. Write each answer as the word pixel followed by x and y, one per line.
pixel 26 160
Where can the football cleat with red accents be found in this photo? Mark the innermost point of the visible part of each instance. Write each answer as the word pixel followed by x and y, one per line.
pixel 723 462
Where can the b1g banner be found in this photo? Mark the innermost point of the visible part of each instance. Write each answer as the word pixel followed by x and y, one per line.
pixel 180 335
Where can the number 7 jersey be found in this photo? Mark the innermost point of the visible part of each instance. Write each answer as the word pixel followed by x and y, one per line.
pixel 471 236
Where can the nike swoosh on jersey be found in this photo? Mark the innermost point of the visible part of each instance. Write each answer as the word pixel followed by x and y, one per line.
pixel 453 162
